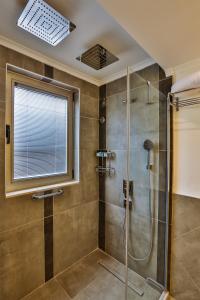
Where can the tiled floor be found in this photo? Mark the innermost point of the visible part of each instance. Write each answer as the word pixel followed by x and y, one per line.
pixel 88 280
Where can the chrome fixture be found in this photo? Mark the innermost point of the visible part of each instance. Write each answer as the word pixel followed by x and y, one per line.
pixel 102 120
pixel 121 278
pixel 104 157
pixel 43 196
pixel 178 103
pixel 148 145
pixel 45 22
pixel 130 193
pixel 152 282
pixel 149 93
pixel 132 100
pixel 103 103
pixel 97 57
pixel 105 153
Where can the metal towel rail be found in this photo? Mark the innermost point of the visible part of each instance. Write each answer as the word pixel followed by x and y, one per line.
pixel 178 103
pixel 43 196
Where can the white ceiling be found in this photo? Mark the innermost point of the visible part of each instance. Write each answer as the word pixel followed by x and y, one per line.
pixel 94 25
pixel 168 30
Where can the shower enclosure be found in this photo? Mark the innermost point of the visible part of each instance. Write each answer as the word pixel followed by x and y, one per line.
pixel 133 180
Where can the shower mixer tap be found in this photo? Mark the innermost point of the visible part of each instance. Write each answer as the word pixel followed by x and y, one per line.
pixel 130 193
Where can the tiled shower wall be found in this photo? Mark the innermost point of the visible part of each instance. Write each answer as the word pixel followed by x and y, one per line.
pixel 185 262
pixel 39 239
pixel 148 121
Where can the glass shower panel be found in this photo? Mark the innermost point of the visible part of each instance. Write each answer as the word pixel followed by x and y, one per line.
pixel 132 125
pixel 143 228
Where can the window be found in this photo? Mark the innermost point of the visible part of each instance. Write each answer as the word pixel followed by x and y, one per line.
pixel 39 118
pixel 40 133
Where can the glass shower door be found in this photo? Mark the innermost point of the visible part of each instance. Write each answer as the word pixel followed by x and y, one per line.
pixel 145 260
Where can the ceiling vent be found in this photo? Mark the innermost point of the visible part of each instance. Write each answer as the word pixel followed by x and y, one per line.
pixel 97 57
pixel 45 22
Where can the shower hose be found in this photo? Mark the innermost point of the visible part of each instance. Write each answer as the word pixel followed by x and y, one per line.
pixel 147 255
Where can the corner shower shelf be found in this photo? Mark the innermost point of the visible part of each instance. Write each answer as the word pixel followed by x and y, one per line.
pixel 104 157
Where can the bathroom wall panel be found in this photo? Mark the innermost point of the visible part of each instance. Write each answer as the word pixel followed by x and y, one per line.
pixel 89 106
pixel 86 88
pixel 75 234
pixel 84 192
pixel 116 86
pixel 18 211
pixel 22 260
pixel 185 261
pixel 182 286
pixel 116 121
pixel 18 215
pixel 151 73
pixel 2 84
pixel 114 184
pixel 89 133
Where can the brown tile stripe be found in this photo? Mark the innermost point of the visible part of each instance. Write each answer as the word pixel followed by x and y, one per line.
pixel 48 71
pixel 48 216
pixel 102 145
pixel 48 237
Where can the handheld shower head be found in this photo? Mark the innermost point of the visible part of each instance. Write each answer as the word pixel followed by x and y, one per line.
pixel 148 145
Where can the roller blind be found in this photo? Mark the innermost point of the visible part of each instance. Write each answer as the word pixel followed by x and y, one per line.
pixel 40 133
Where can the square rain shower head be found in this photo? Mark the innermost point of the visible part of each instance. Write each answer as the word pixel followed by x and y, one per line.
pixel 45 22
pixel 97 57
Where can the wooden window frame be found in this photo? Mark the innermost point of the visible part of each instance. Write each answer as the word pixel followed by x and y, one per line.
pixel 40 181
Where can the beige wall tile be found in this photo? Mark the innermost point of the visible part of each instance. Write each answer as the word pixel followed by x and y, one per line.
pixel 87 190
pixel 19 211
pixel 89 132
pixel 90 89
pixel 187 249
pixel 183 207
pixel 51 290
pixel 67 78
pixel 182 286
pixel 20 60
pixel 3 56
pixel 81 274
pixel 85 87
pixel 75 234
pixel 89 177
pixel 71 197
pixel 22 261
pixel 89 106
pixel 33 65
pixel 116 86
pixel 185 264
pixel 14 58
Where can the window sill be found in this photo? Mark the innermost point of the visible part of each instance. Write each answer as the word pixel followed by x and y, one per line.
pixel 41 189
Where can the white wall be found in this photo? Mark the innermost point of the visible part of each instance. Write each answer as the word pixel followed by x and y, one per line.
pixel 186 147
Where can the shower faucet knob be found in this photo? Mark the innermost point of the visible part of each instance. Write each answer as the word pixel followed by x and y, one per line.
pixel 130 203
pixel 149 167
